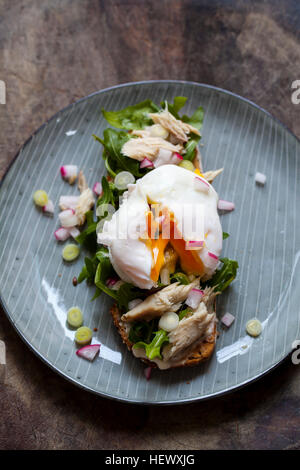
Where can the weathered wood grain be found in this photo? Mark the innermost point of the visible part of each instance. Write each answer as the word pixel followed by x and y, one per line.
pixel 54 52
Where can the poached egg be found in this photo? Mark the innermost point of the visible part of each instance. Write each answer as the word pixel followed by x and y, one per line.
pixel 168 206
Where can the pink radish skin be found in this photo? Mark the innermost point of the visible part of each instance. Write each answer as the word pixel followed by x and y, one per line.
pixel 69 172
pixel 89 352
pixel 200 184
pixel 194 244
pixel 177 158
pixel 194 298
pixel 147 372
pixel 49 208
pixel 97 188
pixel 146 163
pixel 111 282
pixel 61 234
pixel 225 205
pixel 212 255
pixel 227 319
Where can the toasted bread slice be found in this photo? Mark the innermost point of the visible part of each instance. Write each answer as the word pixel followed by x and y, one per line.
pixel 203 351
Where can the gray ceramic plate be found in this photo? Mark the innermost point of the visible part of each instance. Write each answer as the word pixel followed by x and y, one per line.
pixel 36 287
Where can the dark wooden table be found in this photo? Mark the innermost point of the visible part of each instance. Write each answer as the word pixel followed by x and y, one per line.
pixel 53 52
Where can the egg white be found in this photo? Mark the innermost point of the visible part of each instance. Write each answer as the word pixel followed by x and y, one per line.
pixel 173 187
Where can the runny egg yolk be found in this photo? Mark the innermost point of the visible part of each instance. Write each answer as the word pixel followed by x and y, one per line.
pixel 157 243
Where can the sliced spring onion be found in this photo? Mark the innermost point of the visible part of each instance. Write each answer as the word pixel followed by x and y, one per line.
pixel 75 317
pixel 187 165
pixel 254 327
pixel 168 321
pixel 83 335
pixel 158 131
pixel 40 198
pixel 123 179
pixel 70 252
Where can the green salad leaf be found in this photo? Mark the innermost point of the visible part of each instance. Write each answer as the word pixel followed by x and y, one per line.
pixel 180 277
pixel 224 276
pixel 142 331
pixel 178 103
pixel 190 147
pixel 88 270
pixel 113 142
pixel 126 293
pixel 103 272
pixel 196 120
pixel 184 312
pixel 132 117
pixel 225 235
pixel 88 237
pixel 153 349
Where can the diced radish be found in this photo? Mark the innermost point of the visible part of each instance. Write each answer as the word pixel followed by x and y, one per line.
pixel 68 218
pixel 194 244
pixel 177 158
pixel 49 207
pixel 210 260
pixel 260 178
pixel 147 372
pixel 133 303
pixel 117 285
pixel 164 157
pixel 212 255
pixel 111 282
pixel 97 188
pixel 89 352
pixel 227 319
pixel 225 205
pixel 61 234
pixel 74 232
pixel 194 298
pixel 68 202
pixel 69 172
pixel 146 163
pixel 200 184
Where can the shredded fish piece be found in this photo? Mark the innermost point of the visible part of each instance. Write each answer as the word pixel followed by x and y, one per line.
pixel 147 147
pixel 82 184
pixel 211 175
pixel 176 127
pixel 197 162
pixel 189 331
pixel 85 203
pixel 168 299
pixel 169 265
pixel 141 133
